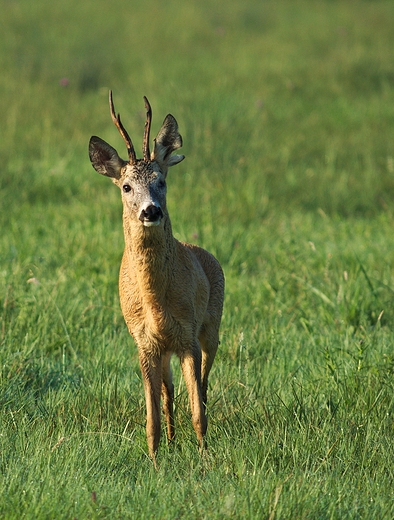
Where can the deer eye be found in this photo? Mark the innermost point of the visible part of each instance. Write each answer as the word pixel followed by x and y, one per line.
pixel 162 184
pixel 126 188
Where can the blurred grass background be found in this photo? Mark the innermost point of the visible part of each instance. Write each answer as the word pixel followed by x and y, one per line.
pixel 286 110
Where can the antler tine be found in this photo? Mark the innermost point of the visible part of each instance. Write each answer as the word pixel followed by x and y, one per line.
pixel 145 146
pixel 122 130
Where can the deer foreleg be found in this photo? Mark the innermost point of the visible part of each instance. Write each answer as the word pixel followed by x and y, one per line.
pixel 151 373
pixel 191 368
pixel 167 392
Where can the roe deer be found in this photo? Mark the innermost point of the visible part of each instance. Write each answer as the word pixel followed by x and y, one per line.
pixel 171 293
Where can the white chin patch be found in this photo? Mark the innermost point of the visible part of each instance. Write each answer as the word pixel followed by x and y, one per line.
pixel 147 223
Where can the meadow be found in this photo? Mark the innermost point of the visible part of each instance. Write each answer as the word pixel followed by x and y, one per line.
pixel 286 109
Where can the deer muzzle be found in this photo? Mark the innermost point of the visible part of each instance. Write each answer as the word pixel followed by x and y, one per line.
pixel 151 216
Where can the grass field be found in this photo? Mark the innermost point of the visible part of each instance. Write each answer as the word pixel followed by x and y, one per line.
pixel 286 108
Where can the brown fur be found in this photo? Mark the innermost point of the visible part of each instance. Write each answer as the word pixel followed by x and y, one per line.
pixel 171 293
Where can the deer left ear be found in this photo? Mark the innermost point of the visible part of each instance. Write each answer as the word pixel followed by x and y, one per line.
pixel 168 139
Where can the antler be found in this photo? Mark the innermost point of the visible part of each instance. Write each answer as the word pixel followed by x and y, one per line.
pixel 122 131
pixel 145 146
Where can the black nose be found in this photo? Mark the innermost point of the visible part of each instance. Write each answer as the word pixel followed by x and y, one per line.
pixel 151 214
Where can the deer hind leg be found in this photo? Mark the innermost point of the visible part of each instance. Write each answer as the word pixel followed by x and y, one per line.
pixel 151 369
pixel 209 340
pixel 167 392
pixel 191 369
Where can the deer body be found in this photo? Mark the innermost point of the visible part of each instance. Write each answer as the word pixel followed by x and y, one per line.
pixel 171 293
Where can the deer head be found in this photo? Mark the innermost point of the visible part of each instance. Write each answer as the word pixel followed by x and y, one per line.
pixel 141 181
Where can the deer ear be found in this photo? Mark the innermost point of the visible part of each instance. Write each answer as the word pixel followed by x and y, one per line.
pixel 104 158
pixel 168 139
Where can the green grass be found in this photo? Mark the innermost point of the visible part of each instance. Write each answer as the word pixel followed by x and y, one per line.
pixel 287 113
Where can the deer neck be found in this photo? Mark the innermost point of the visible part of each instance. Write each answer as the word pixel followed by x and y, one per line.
pixel 151 256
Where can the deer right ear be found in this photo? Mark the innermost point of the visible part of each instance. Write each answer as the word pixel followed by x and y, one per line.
pixel 104 158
